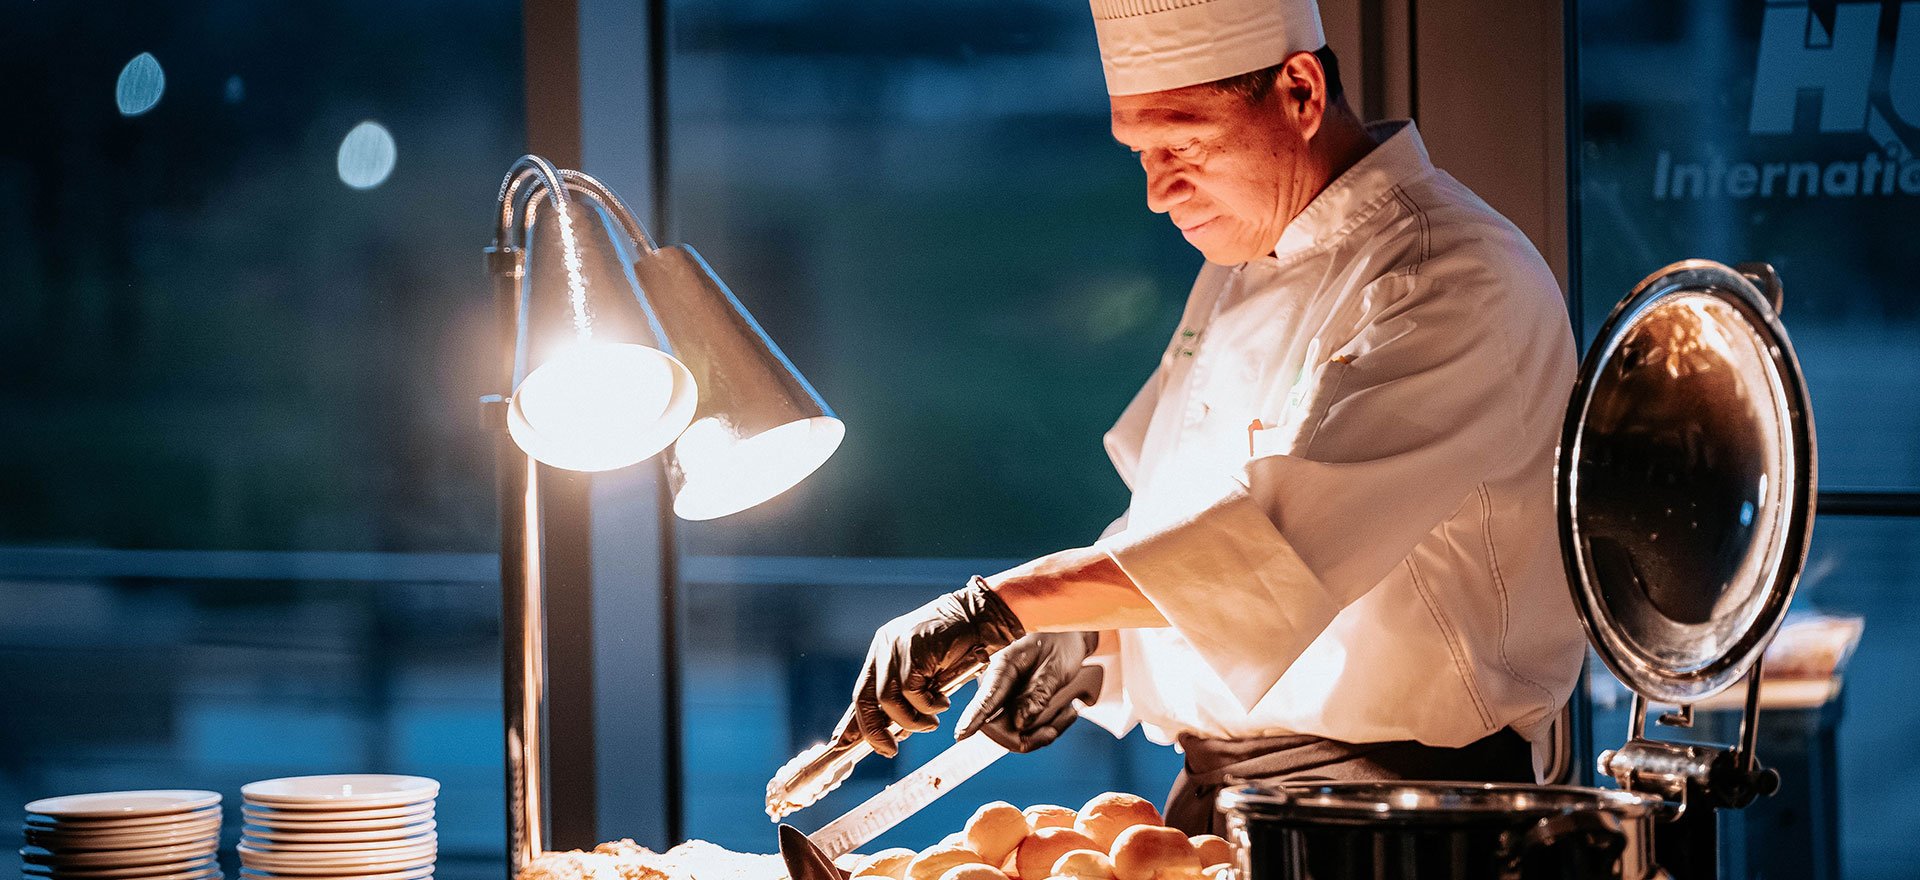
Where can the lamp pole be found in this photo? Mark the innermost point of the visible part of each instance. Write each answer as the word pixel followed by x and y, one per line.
pixel 523 651
pixel 523 607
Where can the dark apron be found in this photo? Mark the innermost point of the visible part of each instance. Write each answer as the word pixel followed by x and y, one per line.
pixel 1214 764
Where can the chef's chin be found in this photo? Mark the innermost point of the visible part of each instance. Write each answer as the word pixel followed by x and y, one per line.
pixel 1215 242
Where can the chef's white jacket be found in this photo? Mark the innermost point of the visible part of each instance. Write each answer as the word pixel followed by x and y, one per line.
pixel 1342 477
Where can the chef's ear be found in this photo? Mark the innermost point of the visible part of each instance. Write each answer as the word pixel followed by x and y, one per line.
pixel 1301 85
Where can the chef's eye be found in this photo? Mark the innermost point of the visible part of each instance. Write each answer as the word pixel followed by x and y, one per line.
pixel 1187 150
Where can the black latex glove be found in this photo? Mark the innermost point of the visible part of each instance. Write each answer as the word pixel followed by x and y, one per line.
pixel 1020 685
pixel 915 654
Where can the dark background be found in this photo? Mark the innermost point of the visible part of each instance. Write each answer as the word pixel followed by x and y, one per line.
pixel 246 508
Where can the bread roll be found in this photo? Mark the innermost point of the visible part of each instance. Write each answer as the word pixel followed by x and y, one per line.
pixel 891 863
pixel 1146 850
pixel 995 830
pixel 1213 849
pixel 1050 816
pixel 1084 864
pixel 1009 867
pixel 957 838
pixel 1042 848
pixel 1104 817
pixel 1218 872
pixel 933 862
pixel 973 872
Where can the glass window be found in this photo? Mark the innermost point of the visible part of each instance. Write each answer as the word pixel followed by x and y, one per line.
pixel 1785 132
pixel 1777 133
pixel 924 205
pixel 247 517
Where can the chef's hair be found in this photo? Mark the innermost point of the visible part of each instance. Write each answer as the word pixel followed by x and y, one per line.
pixel 1255 85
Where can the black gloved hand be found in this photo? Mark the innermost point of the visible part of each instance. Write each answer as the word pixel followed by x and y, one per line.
pixel 1021 684
pixel 915 654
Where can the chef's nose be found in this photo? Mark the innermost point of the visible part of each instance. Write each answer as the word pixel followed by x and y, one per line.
pixel 1166 186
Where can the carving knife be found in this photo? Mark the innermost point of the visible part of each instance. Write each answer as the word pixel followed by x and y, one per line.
pixel 938 776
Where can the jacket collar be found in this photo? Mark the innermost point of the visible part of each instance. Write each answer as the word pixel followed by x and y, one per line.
pixel 1399 156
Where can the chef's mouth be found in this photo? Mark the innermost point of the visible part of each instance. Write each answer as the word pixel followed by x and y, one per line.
pixel 1189 230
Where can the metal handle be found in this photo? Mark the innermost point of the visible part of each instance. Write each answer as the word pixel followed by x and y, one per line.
pixel 1601 839
pixel 1765 277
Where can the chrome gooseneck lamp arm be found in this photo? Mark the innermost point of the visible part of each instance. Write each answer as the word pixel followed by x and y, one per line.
pixel 742 424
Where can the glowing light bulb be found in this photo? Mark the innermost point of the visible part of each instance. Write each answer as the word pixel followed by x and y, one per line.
pixel 598 406
pixel 727 474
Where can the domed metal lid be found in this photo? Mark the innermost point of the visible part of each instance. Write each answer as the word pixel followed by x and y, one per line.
pixel 1686 480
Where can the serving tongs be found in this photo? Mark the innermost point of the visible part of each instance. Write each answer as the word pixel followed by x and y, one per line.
pixel 810 856
pixel 803 781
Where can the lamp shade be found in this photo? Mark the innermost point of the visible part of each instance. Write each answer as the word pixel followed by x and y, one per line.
pixel 759 428
pixel 596 406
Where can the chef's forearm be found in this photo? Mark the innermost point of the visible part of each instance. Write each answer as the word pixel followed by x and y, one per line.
pixel 1076 590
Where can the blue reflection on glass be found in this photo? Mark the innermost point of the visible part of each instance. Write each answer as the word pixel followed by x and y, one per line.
pixel 140 85
pixel 1746 513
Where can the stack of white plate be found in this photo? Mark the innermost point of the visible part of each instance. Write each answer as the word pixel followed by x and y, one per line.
pixel 363 826
pixel 123 835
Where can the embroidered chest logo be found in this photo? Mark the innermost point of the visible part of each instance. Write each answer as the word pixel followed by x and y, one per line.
pixel 1188 343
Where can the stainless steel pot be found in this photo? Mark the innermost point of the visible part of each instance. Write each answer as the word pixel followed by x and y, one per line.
pixel 1440 831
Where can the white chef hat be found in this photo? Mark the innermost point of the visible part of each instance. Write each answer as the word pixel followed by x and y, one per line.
pixel 1155 45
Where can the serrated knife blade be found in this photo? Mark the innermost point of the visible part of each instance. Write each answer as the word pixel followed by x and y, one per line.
pixel 908 796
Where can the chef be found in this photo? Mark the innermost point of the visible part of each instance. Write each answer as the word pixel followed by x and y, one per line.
pixel 1340 559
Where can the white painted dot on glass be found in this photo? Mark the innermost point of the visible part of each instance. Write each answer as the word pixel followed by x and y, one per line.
pixel 140 85
pixel 367 155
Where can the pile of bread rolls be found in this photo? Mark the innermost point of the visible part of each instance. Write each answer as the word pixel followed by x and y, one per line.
pixel 1114 837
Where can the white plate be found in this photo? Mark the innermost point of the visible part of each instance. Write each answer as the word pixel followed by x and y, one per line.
pixel 337 874
pixel 211 872
pixel 375 861
pixel 422 867
pixel 263 812
pixel 340 847
pixel 212 819
pixel 197 819
pixel 170 870
pixel 410 874
pixel 130 823
pixel 373 826
pixel 391 859
pixel 56 839
pixel 350 790
pixel 323 827
pixel 118 858
pixel 399 832
pixel 60 847
pixel 124 804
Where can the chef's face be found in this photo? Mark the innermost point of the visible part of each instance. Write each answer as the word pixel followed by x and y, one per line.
pixel 1229 171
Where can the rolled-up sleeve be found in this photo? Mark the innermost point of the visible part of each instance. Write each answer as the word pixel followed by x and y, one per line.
pixel 1394 432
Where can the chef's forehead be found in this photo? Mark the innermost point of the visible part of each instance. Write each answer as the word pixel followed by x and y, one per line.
pixel 1145 115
